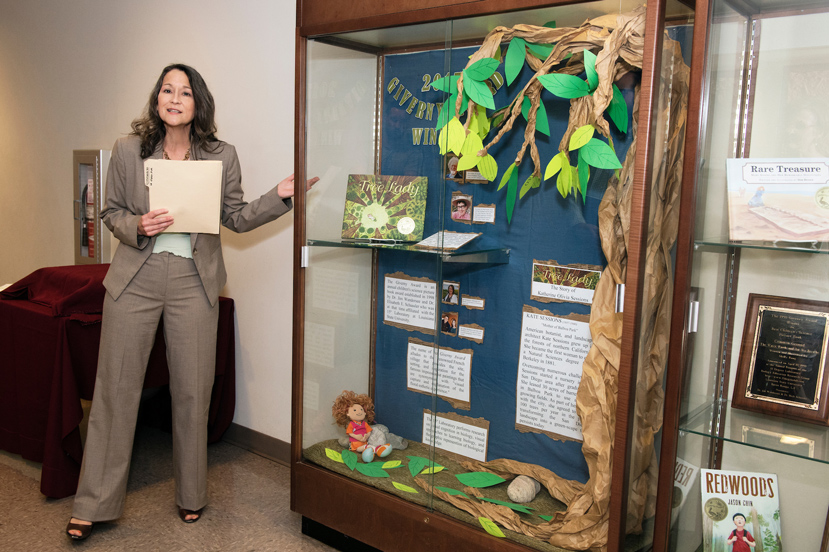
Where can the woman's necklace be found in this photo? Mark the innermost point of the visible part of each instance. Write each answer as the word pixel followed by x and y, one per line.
pixel 186 156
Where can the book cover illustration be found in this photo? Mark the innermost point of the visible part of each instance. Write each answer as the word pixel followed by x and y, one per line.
pixel 383 207
pixel 740 511
pixel 778 199
pixel 685 475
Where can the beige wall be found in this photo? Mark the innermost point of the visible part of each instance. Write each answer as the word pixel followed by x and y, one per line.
pixel 73 75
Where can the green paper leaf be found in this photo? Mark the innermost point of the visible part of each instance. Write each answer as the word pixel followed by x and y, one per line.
pixel 443 140
pixel 350 459
pixel 512 193
pixel 550 24
pixel 526 104
pixel 453 492
pixel 506 176
pixel 599 155
pixel 488 167
pixel 517 507
pixel 480 70
pixel 469 152
pixel 372 470
pixel 541 51
pixel 514 61
pixel 473 126
pixel 581 136
pixel 498 117
pixel 478 92
pixel 584 176
pixel 465 101
pixel 479 479
pixel 404 488
pixel 565 86
pixel 472 145
pixel 546 518
pixel 483 121
pixel 447 84
pixel 590 69
pixel 555 164
pixel 391 464
pixel 334 455
pixel 618 110
pixel 564 181
pixel 456 136
pixel 491 528
pixel 531 182
pixel 542 123
pixel 416 464
pixel 469 161
pixel 447 111
pixel 574 180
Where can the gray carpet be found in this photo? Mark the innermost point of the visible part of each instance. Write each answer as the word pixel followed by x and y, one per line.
pixel 248 509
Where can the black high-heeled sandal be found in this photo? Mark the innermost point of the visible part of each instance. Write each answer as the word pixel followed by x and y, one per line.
pixel 84 529
pixel 182 513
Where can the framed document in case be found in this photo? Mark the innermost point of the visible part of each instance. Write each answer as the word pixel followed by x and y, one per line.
pixel 782 367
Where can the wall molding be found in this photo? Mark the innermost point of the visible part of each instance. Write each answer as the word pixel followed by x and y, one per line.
pixel 259 443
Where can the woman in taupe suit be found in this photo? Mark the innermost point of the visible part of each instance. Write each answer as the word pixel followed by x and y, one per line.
pixel 177 276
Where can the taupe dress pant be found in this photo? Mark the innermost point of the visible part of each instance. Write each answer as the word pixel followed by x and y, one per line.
pixel 168 286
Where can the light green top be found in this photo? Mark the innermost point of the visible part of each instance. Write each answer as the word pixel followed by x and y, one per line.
pixel 177 243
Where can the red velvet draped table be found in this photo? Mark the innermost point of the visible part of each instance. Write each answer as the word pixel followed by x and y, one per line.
pixel 50 326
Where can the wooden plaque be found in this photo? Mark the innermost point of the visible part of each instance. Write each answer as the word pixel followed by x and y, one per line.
pixel 782 367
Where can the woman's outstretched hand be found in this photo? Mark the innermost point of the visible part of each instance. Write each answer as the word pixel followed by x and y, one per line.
pixel 285 189
pixel 153 222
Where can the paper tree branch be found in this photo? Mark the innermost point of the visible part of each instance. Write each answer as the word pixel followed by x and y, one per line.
pixel 621 39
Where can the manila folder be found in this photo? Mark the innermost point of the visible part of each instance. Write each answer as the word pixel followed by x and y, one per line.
pixel 190 190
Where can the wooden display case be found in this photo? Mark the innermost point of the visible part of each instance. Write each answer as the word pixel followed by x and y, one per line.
pixel 756 85
pixel 363 76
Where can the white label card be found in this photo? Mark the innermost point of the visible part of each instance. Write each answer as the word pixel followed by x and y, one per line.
pixel 549 371
pixel 455 436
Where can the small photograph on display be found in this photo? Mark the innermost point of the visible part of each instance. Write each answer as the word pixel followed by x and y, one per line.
pixel 461 207
pixel 449 323
pixel 452 171
pixel 451 292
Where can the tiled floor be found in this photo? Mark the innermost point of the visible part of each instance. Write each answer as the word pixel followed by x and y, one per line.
pixel 248 510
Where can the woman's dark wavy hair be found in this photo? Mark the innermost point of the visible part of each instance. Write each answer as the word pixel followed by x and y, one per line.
pixel 151 130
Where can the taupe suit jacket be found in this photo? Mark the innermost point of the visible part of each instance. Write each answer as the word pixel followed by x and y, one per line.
pixel 127 199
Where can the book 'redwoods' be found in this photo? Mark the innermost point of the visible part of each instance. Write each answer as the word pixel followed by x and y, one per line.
pixel 739 510
pixel 382 207
pixel 778 200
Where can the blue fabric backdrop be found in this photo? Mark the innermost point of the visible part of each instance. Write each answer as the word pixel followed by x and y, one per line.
pixel 544 226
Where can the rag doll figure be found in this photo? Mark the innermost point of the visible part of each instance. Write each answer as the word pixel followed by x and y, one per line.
pixel 354 412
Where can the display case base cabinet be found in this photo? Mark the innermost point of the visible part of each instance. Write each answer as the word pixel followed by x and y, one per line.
pixel 385 522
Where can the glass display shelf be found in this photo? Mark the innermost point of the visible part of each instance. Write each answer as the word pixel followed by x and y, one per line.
pixel 482 250
pixel 810 442
pixel 722 242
